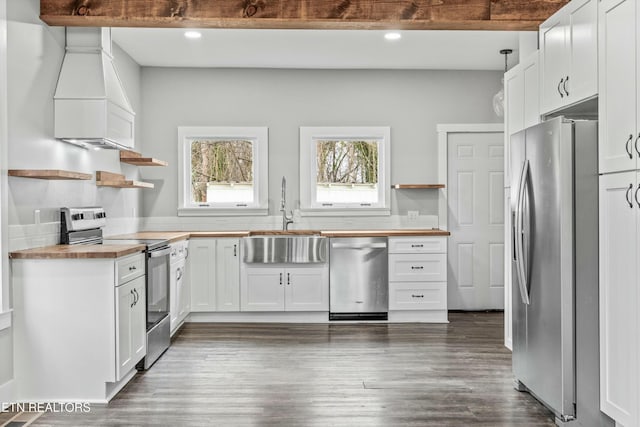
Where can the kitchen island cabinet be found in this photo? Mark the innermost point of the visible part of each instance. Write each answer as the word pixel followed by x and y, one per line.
pixel 79 326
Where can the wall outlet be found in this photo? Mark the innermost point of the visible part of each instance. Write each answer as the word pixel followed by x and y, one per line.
pixel 413 215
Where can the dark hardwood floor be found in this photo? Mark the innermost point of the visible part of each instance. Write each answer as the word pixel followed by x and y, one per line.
pixel 326 375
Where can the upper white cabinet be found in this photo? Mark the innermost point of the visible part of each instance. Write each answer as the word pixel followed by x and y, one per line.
pixel 522 103
pixel 569 55
pixel 618 130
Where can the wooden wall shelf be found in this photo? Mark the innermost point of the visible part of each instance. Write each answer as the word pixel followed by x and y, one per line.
pixel 110 179
pixel 50 174
pixel 135 158
pixel 416 186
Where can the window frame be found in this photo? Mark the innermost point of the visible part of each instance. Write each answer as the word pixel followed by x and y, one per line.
pixel 259 135
pixel 308 169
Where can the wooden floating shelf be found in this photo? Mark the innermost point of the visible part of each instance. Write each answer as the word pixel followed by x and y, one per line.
pixel 416 186
pixel 135 158
pixel 110 179
pixel 51 174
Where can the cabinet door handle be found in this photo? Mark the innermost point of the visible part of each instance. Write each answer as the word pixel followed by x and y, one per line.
pixel 134 298
pixel 635 144
pixel 635 196
pixel 628 194
pixel 281 278
pixel 417 296
pixel 288 278
pixel 564 86
pixel 179 273
pixel 135 291
pixel 560 91
pixel 627 146
pixel 413 267
pixel 417 246
pixel 186 253
pixel 235 250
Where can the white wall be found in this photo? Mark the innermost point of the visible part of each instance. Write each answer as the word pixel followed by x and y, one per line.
pixel 411 102
pixel 35 54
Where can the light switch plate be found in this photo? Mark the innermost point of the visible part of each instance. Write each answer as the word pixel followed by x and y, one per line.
pixel 413 215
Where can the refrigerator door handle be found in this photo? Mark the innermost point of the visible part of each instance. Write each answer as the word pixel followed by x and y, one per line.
pixel 520 262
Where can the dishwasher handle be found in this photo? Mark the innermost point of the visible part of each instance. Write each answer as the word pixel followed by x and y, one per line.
pixel 356 246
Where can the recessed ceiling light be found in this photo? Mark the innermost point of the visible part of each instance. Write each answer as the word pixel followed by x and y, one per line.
pixel 393 36
pixel 193 34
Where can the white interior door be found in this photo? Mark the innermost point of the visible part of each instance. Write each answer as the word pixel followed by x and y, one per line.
pixel 476 220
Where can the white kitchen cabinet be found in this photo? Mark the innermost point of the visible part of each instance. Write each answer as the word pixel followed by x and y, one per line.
pixel 215 274
pixel 228 275
pixel 131 334
pixel 418 279
pixel 568 43
pixel 90 326
pixel 203 274
pixel 178 285
pixel 618 148
pixel 522 103
pixel 619 297
pixel 278 288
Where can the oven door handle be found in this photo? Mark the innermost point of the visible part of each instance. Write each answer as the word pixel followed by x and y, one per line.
pixel 157 254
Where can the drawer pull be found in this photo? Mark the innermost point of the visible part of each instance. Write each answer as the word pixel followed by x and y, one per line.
pixel 132 268
pixel 417 296
pixel 413 267
pixel 417 246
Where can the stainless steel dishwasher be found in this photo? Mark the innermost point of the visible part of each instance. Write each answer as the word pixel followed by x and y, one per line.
pixel 358 278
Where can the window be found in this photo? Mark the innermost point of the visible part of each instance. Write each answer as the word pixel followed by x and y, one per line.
pixel 223 170
pixel 344 170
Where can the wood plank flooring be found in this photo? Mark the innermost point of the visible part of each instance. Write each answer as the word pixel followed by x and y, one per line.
pixel 326 375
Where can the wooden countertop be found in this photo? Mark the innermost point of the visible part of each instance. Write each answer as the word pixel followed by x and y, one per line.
pixel 77 252
pixel 171 236
pixel 116 251
pixel 399 232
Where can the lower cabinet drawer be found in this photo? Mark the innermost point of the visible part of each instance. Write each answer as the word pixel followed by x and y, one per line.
pixel 128 268
pixel 418 296
pixel 417 267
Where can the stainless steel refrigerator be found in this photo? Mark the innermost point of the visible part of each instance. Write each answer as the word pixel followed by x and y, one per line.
pixel 554 211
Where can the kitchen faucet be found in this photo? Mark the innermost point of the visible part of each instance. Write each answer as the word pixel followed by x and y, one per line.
pixel 286 220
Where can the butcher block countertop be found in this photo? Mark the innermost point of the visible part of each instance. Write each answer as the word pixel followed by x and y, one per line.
pixel 399 232
pixel 116 251
pixel 77 252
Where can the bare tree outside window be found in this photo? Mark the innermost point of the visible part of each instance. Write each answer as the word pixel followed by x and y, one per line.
pixel 219 166
pixel 347 162
pixel 347 171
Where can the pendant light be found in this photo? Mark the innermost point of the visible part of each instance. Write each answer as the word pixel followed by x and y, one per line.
pixel 498 98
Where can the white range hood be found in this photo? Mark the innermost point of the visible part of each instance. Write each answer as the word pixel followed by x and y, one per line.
pixel 90 105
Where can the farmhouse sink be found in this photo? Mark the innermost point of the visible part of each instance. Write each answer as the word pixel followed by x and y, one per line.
pixel 284 232
pixel 285 249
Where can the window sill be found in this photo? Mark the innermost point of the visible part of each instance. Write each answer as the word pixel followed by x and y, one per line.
pixel 346 212
pixel 222 212
pixel 5 320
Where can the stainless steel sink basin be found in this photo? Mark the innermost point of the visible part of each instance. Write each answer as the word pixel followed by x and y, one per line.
pixel 285 249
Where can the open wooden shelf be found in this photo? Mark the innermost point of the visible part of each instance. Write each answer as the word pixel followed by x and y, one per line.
pixel 416 186
pixel 135 158
pixel 110 179
pixel 49 174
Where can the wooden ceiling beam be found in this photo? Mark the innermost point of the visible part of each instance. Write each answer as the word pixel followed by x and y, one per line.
pixel 518 15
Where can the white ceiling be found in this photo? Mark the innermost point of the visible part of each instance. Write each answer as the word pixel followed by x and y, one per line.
pixel 243 48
